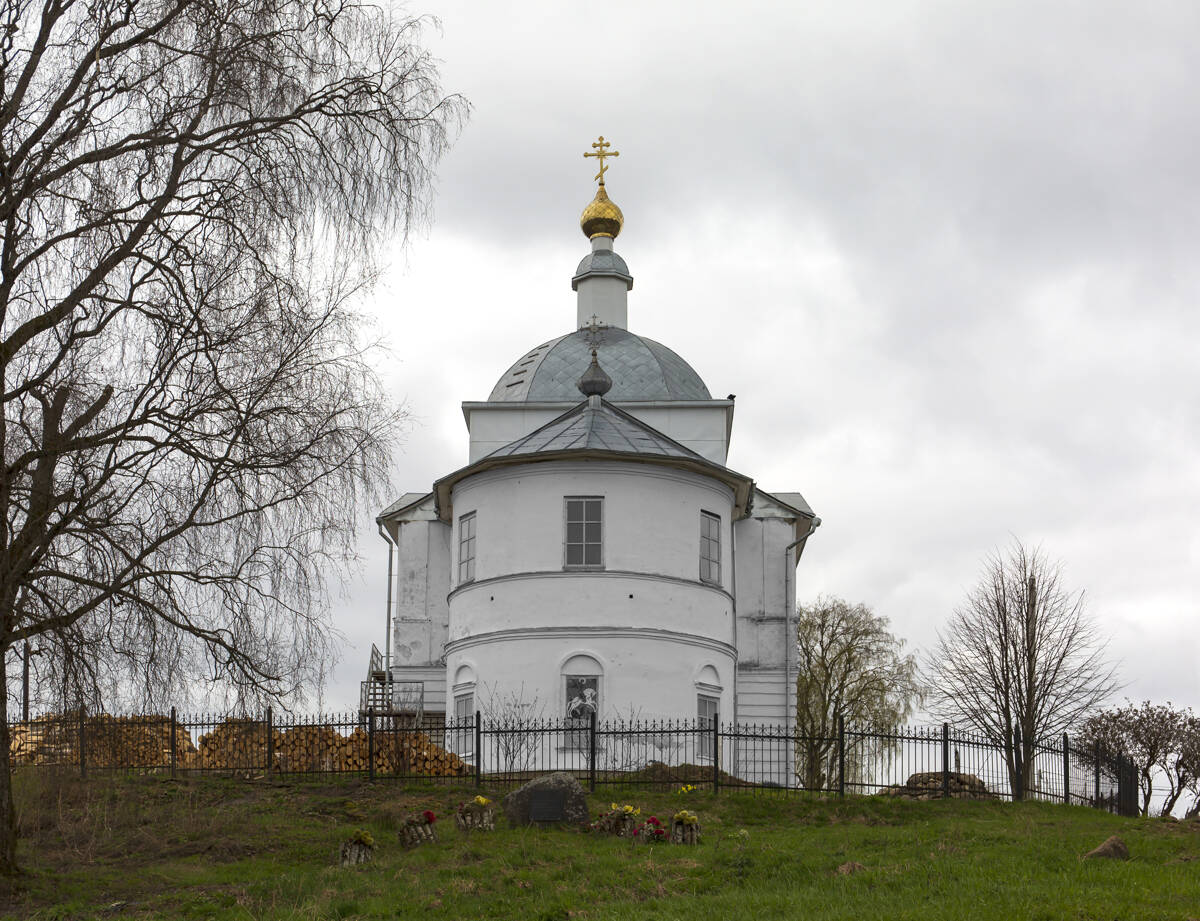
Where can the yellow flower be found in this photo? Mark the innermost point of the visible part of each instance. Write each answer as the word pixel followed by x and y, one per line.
pixel 629 809
pixel 614 806
pixel 482 800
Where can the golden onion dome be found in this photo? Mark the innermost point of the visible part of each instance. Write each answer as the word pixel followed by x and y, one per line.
pixel 601 218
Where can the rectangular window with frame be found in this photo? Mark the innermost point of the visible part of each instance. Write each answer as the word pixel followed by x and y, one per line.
pixel 466 548
pixel 710 548
pixel 583 544
pixel 706 716
pixel 464 720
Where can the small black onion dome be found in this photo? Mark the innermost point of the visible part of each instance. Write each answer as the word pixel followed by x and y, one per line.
pixel 595 382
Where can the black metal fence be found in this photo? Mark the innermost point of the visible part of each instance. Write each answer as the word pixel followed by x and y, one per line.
pixel 920 761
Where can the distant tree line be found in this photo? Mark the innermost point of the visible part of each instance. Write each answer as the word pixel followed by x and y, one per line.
pixel 1019 661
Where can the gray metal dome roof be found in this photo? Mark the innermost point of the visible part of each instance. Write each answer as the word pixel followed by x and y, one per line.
pixel 642 370
pixel 602 262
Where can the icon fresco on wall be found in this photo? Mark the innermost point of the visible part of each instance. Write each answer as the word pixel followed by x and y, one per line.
pixel 583 696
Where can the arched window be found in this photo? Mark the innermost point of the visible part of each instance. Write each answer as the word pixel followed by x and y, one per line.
pixel 583 685
pixel 463 690
pixel 708 704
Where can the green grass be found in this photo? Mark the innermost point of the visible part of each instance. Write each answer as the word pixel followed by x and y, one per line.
pixel 212 848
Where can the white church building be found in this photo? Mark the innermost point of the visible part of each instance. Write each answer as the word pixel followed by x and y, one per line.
pixel 594 552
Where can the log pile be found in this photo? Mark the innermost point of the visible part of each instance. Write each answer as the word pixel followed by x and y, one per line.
pixel 110 741
pixel 242 744
pixel 233 744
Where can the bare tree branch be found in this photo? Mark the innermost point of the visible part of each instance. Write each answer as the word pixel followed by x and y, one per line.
pixel 191 193
pixel 1019 659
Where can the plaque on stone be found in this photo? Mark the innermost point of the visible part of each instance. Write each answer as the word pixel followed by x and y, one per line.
pixel 547 806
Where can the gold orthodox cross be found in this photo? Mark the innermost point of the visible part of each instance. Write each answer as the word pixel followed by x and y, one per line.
pixel 600 152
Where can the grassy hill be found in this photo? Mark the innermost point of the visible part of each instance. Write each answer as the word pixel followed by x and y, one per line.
pixel 212 848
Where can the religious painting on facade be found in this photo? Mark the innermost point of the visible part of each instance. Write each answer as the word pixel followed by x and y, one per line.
pixel 583 696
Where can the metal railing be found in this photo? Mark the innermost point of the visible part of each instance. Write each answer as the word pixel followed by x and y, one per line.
pixel 916 761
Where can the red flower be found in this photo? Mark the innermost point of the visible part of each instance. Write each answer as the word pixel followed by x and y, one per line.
pixel 429 817
pixel 653 821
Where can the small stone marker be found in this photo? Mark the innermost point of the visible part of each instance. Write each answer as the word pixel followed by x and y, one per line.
pixel 359 849
pixel 418 829
pixel 477 815
pixel 572 803
pixel 685 828
pixel 1113 849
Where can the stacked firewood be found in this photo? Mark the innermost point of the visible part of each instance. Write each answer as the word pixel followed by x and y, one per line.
pixel 242 744
pixel 110 741
pixel 233 744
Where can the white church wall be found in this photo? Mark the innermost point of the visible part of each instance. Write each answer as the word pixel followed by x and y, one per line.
pixel 646 615
pixel 763 600
pixel 603 299
pixel 642 674
pixel 701 426
pixel 422 582
pixel 651 517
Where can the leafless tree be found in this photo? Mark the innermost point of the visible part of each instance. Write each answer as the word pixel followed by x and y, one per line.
pixel 850 665
pixel 190 191
pixel 1020 659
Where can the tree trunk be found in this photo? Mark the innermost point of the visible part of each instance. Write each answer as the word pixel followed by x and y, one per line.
pixel 8 812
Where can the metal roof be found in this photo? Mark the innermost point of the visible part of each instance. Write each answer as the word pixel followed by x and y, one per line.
pixel 595 429
pixel 641 369
pixel 597 426
pixel 602 262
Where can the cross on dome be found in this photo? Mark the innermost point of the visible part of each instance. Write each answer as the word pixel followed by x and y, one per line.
pixel 602 218
pixel 600 153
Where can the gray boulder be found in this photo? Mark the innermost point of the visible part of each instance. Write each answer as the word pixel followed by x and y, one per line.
pixel 1112 849
pixel 552 788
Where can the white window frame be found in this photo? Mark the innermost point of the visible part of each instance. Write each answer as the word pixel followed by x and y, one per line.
pixel 466 548
pixel 704 721
pixel 585 543
pixel 463 743
pixel 710 549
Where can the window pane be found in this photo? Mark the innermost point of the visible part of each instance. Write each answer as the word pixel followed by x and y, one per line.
pixel 592 555
pixel 574 532
pixel 574 510
pixel 574 554
pixel 593 509
pixel 591 532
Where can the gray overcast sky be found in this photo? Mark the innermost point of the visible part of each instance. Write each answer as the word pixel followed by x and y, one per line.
pixel 944 254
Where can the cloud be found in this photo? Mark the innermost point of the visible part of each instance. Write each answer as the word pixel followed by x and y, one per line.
pixel 943 253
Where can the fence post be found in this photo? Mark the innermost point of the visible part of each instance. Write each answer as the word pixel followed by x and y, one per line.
pixel 478 750
pixel 946 760
pixel 270 739
pixel 25 685
pixel 174 727
pixel 1019 767
pixel 82 744
pixel 841 756
pixel 1096 801
pixel 371 744
pixel 716 745
pixel 1066 772
pixel 592 751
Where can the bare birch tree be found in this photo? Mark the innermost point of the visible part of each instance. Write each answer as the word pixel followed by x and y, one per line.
pixel 190 191
pixel 1020 659
pixel 849 665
